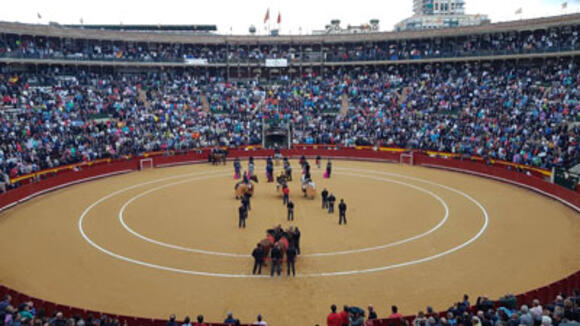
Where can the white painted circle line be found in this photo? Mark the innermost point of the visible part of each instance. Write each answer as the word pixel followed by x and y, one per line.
pixel 138 262
pixel 320 254
pixel 420 260
pixel 325 274
pixel 164 244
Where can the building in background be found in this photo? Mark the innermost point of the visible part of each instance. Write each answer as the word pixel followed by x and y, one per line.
pixel 335 28
pixel 432 14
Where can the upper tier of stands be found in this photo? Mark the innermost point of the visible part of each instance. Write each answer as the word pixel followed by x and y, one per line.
pixel 544 36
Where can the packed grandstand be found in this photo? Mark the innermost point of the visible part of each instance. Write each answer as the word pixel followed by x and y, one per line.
pixel 504 91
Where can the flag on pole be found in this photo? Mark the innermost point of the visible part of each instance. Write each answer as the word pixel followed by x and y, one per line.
pixel 279 18
pixel 519 11
pixel 267 17
pixel 564 4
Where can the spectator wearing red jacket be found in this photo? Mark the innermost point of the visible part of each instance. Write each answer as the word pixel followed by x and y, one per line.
pixel 395 313
pixel 333 318
pixel 344 316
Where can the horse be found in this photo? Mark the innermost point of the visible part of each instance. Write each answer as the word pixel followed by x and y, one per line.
pixel 275 233
pixel 217 158
pixel 283 245
pixel 254 178
pixel 309 191
pixel 242 188
pixel 282 178
pixel 266 244
pixel 279 188
pixel 280 183
pixel 308 187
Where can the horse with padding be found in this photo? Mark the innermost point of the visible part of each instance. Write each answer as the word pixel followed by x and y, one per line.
pixel 242 188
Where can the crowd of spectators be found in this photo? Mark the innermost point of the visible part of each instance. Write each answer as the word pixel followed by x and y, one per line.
pixel 500 43
pixel 54 48
pixel 26 314
pixel 523 113
pixel 563 311
pixel 554 39
pixel 506 311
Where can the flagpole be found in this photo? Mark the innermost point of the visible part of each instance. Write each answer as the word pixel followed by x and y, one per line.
pixel 565 7
pixel 267 21
pixel 279 22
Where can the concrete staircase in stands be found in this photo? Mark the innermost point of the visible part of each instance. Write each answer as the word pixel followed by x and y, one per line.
pixel 344 105
pixel 204 103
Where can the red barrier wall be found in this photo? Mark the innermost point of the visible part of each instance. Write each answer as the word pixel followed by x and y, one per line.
pixel 89 172
pixel 564 195
pixel 64 179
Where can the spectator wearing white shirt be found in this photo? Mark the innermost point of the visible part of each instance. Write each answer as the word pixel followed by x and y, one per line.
pixel 260 321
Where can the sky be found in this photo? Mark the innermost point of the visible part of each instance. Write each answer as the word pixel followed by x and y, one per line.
pixel 236 16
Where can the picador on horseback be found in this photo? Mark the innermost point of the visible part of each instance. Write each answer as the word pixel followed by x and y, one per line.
pixel 246 187
pixel 287 169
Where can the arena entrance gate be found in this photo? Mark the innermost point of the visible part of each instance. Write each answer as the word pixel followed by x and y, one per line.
pixel 277 133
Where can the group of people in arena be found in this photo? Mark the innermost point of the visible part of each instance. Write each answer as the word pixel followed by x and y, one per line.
pixel 23 46
pixel 247 178
pixel 328 201
pixel 280 244
pixel 522 113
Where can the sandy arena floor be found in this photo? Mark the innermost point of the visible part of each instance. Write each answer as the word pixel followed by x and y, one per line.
pixel 166 241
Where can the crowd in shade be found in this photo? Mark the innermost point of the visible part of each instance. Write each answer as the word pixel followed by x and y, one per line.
pixel 478 45
pixel 562 311
pixel 554 39
pixel 27 314
pixel 523 113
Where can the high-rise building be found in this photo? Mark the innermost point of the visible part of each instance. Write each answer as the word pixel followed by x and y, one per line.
pixel 432 14
pixel 438 7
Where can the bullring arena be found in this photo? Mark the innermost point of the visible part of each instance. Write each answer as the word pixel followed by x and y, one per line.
pixel 166 239
pixel 456 149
